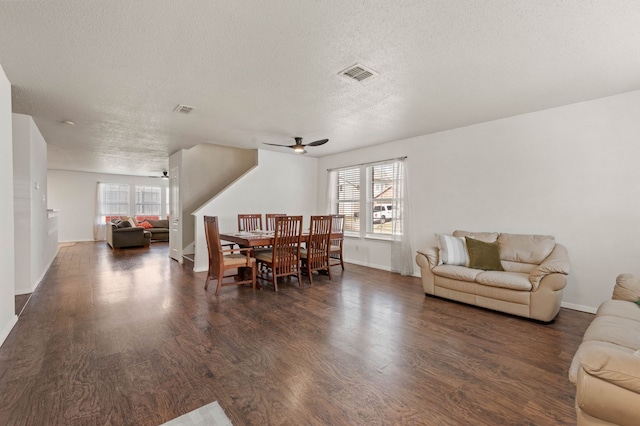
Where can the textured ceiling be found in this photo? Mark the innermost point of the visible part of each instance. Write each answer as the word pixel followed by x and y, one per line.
pixel 265 71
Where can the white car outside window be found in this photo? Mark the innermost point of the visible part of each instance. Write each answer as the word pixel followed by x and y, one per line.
pixel 382 213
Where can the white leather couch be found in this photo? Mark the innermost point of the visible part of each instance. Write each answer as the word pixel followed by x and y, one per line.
pixel 606 366
pixel 535 272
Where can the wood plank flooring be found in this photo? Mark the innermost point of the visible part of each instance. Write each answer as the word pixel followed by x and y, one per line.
pixel 129 337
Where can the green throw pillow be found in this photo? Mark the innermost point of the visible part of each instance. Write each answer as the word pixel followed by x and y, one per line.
pixel 485 256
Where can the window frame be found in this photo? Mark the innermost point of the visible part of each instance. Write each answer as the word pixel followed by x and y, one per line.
pixel 141 203
pixel 368 198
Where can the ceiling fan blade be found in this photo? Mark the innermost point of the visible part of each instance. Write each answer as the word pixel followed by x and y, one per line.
pixel 275 144
pixel 318 143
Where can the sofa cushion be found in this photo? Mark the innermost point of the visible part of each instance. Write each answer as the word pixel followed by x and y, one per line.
pixel 487 237
pixel 161 223
pixel 485 256
pixel 525 248
pixel 627 288
pixel 456 272
pixel 453 250
pixel 621 331
pixel 525 268
pixel 145 225
pixel 620 308
pixel 510 280
pixel 124 224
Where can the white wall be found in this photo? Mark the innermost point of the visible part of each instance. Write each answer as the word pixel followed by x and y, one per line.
pixel 22 202
pixel 571 172
pixel 33 249
pixel 8 317
pixel 74 194
pixel 207 169
pixel 282 183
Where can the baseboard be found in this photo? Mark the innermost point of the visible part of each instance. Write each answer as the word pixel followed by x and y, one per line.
pixel 368 265
pixel 5 332
pixel 580 308
pixel 200 269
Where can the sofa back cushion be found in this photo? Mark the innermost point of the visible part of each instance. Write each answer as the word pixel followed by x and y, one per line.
pixel 487 237
pixel 162 223
pixel 532 249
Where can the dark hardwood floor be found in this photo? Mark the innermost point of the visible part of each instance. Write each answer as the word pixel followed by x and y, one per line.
pixel 129 337
pixel 20 302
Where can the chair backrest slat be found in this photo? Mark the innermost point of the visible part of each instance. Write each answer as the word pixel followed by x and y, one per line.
pixel 286 243
pixel 249 222
pixel 270 219
pixel 319 241
pixel 212 235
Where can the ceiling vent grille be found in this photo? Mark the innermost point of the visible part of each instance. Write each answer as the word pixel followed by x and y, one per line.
pixel 185 109
pixel 358 72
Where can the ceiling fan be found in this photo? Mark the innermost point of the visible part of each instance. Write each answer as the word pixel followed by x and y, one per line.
pixel 299 146
pixel 165 175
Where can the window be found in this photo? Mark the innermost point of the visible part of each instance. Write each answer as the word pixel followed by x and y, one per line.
pixel 349 198
pixel 114 199
pixel 380 198
pixel 369 188
pixel 148 202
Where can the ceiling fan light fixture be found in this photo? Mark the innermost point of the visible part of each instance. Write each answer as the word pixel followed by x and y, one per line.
pixel 299 149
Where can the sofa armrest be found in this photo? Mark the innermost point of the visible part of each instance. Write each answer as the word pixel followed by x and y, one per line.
pixel 556 263
pixel 627 288
pixel 432 255
pixel 614 366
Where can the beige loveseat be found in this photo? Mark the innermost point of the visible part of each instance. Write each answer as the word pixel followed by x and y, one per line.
pixel 606 366
pixel 535 272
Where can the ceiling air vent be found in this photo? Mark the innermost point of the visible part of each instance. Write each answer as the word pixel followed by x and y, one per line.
pixel 185 109
pixel 358 72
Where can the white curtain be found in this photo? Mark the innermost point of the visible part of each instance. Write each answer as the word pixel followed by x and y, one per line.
pixel 332 194
pixel 99 224
pixel 401 254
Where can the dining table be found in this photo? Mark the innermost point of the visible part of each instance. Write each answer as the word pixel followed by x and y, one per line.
pixel 261 238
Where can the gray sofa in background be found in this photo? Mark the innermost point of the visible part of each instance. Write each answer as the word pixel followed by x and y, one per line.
pixel 160 230
pixel 123 237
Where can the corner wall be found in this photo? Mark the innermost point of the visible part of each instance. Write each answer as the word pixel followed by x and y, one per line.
pixel 571 172
pixel 282 183
pixel 8 317
pixel 207 169
pixel 35 244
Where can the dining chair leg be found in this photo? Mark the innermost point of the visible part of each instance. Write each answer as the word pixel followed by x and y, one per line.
pixel 219 285
pixel 254 273
pixel 310 272
pixel 206 282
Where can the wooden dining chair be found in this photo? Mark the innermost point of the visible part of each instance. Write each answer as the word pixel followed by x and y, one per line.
pixel 337 240
pixel 249 222
pixel 316 256
pixel 221 260
pixel 270 219
pixel 284 257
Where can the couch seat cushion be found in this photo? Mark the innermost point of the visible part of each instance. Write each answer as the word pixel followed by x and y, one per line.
pixel 510 280
pixel 456 272
pixel 620 308
pixel 621 331
pixel 236 259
